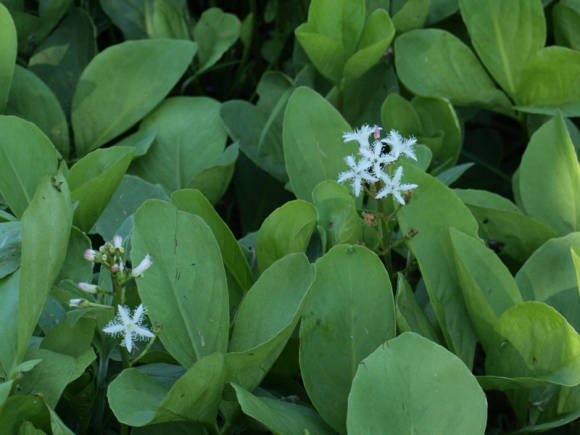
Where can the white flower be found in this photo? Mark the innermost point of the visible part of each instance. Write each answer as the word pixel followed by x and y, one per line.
pixel 361 135
pixel 86 287
pixel 128 326
pixel 142 267
pixel 394 186
pixel 75 303
pixel 377 157
pixel 358 172
pixel 400 145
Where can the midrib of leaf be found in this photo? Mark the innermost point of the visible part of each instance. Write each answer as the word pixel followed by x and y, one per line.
pixel 502 52
pixel 15 174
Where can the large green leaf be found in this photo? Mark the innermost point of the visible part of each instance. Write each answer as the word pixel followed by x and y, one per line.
pixel 412 385
pixel 185 290
pixel 410 315
pixel 215 32
pixel 548 79
pixel 350 312
pixel 177 156
pixel 433 62
pixel 313 147
pixel 286 230
pixel 61 58
pixel 281 417
pixel 549 178
pixel 566 19
pixel 337 216
pixel 128 15
pixel 502 221
pixel 137 399
pixel 8 326
pixel 412 15
pixel 194 202
pixel 549 276
pixel 32 100
pixel 8 43
pixel 214 181
pixel 433 209
pixel 537 343
pixel 46 226
pixel 166 19
pixel 505 35
pixel 122 84
pixel 266 318
pixel 331 34
pixel 21 410
pixel 487 285
pixel 131 192
pixel 20 174
pixel 94 179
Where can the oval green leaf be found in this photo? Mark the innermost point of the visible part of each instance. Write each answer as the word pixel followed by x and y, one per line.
pixel 8 44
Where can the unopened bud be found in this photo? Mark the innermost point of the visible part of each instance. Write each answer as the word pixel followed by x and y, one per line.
pixel 142 267
pixel 86 287
pixel 90 255
pixel 75 303
pixel 118 242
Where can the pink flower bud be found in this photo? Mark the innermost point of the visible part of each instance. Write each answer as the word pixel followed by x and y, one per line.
pixel 90 255
pixel 118 242
pixel 377 133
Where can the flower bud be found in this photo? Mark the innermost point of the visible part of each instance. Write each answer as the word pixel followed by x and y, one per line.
pixel 86 287
pixel 142 267
pixel 75 303
pixel 90 255
pixel 118 242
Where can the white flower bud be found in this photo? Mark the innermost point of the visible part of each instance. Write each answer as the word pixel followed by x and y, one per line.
pixel 90 255
pixel 118 242
pixel 142 267
pixel 86 287
pixel 75 303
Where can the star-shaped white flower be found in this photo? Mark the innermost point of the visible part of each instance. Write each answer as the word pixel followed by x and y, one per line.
pixel 361 135
pixel 128 326
pixel 377 157
pixel 394 187
pixel 359 172
pixel 400 145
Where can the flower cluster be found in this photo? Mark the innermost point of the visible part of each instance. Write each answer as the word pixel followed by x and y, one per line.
pixel 375 162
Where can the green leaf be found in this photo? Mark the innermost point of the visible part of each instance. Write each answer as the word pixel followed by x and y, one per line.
pixel 141 140
pixel 128 15
pixel 164 20
pixel 562 66
pixel 331 34
pixel 193 201
pixel 438 117
pixel 505 35
pixel 137 400
pixel 94 179
pixel 566 19
pixel 146 71
pixel 46 227
pixel 32 100
pixel 441 9
pixel 432 248
pixel 288 229
pixel 19 174
pixel 549 276
pixel 313 146
pixel 549 178
pixel 414 374
pixel 350 312
pixel 131 192
pixel 7 54
pixel 10 238
pixel 487 285
pixel 20 408
pixel 214 181
pixel 410 315
pixel 501 221
pixel 376 37
pixel 61 58
pixel 266 318
pixel 281 417
pixel 185 290
pixel 412 15
pixel 576 260
pixel 337 214
pixel 215 32
pixel 177 155
pixel 451 175
pixel 75 267
pixel 433 62
pixel 8 326
pixel 538 343
pixel 399 114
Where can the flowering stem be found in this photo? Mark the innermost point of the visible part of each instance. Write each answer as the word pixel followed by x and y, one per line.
pixel 367 190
